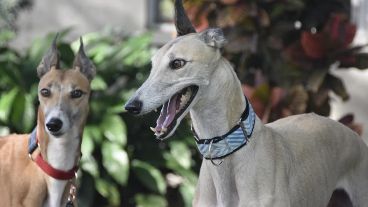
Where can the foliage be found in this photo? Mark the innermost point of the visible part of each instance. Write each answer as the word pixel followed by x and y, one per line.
pixel 283 50
pixel 122 163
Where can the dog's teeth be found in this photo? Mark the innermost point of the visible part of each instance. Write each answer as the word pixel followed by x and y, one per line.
pixel 163 130
pixel 155 110
pixel 153 129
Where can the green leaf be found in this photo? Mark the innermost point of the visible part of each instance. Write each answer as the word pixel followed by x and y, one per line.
pixel 149 176
pixel 6 103
pixel 87 143
pixel 115 161
pixel 142 200
pixel 66 53
pixel 89 164
pixel 29 113
pixel 114 129
pixel 22 114
pixel 6 35
pixel 93 133
pixel 118 108
pixel 187 191
pixel 172 163
pixel 100 52
pixel 136 52
pixel 182 153
pixel 108 190
pixel 98 83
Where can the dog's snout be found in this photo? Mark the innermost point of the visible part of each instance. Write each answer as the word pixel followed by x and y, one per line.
pixel 134 106
pixel 54 125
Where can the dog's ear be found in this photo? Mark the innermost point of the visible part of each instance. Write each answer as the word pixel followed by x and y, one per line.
pixel 213 37
pixel 182 22
pixel 83 63
pixel 49 60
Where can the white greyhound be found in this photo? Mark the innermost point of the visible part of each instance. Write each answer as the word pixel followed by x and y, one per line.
pixel 300 161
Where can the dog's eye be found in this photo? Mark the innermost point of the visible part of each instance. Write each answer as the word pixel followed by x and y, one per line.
pixel 177 63
pixel 45 92
pixel 76 93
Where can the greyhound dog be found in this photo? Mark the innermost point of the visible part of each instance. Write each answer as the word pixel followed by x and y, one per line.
pixel 39 169
pixel 296 161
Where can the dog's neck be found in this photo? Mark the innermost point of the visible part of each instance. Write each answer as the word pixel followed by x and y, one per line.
pixel 61 153
pixel 220 107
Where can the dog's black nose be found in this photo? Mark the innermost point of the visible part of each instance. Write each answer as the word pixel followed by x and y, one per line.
pixel 134 106
pixel 54 125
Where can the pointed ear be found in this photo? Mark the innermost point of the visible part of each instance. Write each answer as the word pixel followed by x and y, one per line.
pixel 213 37
pixel 182 22
pixel 83 63
pixel 49 60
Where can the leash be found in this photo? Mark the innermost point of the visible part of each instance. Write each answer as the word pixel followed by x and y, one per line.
pixel 70 175
pixel 221 146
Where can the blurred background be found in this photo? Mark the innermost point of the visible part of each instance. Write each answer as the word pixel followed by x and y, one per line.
pixel 292 56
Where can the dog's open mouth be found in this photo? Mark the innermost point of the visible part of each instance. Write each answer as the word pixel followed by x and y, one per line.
pixel 172 110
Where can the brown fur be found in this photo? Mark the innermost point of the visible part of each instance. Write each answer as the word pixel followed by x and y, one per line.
pixel 22 182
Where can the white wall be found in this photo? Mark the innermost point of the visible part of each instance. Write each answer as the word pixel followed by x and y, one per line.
pixel 83 15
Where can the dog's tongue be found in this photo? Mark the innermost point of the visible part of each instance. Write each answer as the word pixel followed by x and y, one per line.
pixel 167 114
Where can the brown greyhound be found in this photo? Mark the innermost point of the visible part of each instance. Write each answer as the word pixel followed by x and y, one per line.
pixel 39 169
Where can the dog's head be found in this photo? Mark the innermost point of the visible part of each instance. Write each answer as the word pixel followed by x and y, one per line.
pixel 180 71
pixel 64 94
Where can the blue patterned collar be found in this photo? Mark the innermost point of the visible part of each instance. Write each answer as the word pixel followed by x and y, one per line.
pixel 222 146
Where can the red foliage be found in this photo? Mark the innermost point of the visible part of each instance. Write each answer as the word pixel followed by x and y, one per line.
pixel 337 35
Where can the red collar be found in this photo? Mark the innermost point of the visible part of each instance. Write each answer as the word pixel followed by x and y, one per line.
pixel 53 172
pixel 45 166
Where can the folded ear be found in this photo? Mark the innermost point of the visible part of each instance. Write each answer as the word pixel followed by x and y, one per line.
pixel 213 37
pixel 83 63
pixel 49 60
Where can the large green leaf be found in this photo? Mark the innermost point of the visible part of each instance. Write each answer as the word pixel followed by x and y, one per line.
pixel 114 129
pixel 182 153
pixel 187 191
pixel 149 176
pixel 98 83
pixel 115 161
pixel 93 132
pixel 6 35
pixel 173 164
pixel 142 200
pixel 108 190
pixel 22 114
pixel 29 113
pixel 6 103
pixel 90 165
